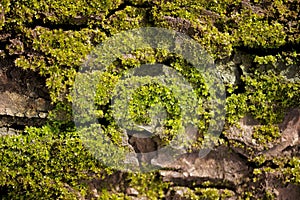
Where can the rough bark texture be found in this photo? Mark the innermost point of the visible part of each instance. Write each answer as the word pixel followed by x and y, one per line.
pixel 24 99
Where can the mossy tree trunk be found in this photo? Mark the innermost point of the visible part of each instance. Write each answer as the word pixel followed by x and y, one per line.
pixel 255 46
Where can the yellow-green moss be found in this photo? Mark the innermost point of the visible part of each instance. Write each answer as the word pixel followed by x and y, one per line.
pixel 54 38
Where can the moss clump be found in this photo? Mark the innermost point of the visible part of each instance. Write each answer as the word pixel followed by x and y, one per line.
pixel 148 185
pixel 292 171
pixel 267 96
pixel 45 162
pixel 266 133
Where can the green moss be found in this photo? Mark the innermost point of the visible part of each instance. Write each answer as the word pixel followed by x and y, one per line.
pixel 106 195
pixel 269 195
pixel 256 32
pixel 270 95
pixel 148 184
pixel 259 160
pixel 292 170
pixel 266 133
pixel 45 162
pixel 54 38
pixel 203 193
pixel 4 8
pixel 53 12
pixel 236 107
pixel 212 193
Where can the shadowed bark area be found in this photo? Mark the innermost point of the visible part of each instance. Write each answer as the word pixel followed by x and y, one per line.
pixel 24 99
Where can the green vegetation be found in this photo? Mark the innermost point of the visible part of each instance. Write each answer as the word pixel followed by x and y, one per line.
pixel 265 134
pixel 54 38
pixel 45 162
